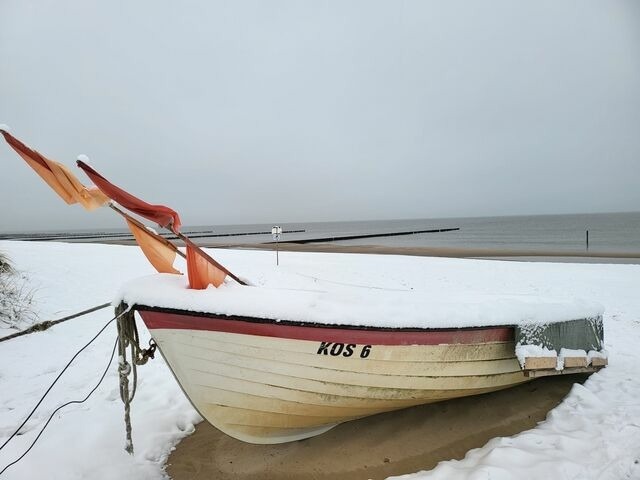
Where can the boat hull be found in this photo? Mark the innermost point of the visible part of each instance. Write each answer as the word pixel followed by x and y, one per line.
pixel 272 382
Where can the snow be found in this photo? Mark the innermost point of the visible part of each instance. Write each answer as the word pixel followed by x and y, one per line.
pixel 83 158
pixel 5 128
pixel 595 354
pixel 594 433
pixel 339 304
pixel 568 352
pixel 524 351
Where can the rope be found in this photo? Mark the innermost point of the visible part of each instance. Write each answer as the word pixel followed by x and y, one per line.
pixel 42 326
pixel 353 284
pixel 49 389
pixel 55 381
pixel 128 338
pixel 124 369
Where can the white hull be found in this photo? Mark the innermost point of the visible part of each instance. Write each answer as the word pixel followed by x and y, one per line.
pixel 265 389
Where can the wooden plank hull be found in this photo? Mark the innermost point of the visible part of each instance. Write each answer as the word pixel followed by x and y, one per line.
pixel 272 382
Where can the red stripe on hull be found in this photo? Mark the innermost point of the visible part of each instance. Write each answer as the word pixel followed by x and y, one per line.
pixel 179 321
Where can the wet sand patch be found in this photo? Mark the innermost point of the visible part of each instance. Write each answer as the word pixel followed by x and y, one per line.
pixel 375 447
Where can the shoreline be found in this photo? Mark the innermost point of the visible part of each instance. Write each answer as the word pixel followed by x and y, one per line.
pixel 568 256
pixel 513 254
pixel 451 252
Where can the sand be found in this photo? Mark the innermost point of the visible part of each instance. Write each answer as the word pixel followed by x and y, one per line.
pixel 375 447
pixel 497 254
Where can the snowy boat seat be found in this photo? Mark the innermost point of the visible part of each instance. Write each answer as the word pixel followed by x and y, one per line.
pixel 537 347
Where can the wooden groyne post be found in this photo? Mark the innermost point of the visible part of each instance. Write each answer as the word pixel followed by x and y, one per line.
pixel 587 240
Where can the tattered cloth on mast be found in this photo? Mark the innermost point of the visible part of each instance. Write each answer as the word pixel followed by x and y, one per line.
pixel 162 215
pixel 161 254
pixel 57 176
pixel 202 269
pixel 201 272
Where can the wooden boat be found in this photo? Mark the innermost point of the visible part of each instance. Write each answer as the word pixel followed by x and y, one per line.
pixel 268 381
pixel 277 376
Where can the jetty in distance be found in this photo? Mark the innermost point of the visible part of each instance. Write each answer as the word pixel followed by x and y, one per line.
pixel 369 235
pixel 111 237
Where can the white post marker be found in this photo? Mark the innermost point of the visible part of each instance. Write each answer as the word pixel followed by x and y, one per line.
pixel 276 231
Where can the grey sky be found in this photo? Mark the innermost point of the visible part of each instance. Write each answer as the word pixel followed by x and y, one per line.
pixel 265 111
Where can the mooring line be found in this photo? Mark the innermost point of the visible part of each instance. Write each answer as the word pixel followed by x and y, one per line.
pixel 58 378
pixel 104 374
pixel 42 326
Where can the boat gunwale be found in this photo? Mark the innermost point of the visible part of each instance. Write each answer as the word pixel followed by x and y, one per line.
pixel 300 323
pixel 328 334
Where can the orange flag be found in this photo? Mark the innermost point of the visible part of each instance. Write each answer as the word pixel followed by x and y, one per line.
pixel 161 214
pixel 160 253
pixel 57 176
pixel 201 272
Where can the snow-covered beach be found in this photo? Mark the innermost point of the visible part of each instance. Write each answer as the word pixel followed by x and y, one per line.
pixel 594 433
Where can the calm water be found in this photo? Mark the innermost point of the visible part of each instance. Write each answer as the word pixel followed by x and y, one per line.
pixel 618 232
pixel 609 232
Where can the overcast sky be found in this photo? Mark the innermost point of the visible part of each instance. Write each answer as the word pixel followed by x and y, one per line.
pixel 282 111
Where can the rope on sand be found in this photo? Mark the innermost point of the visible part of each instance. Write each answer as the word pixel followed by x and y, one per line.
pixel 42 326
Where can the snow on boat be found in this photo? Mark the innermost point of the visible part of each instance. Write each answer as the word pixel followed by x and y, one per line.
pixel 271 366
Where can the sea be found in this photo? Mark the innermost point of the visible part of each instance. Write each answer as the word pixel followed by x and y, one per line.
pixel 607 233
